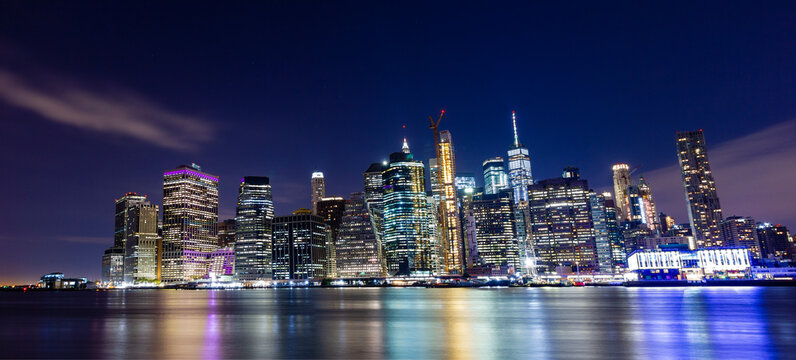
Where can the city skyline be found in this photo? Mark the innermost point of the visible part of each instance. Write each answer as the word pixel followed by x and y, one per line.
pixel 748 126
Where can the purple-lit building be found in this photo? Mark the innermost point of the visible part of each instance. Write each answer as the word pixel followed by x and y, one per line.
pixel 221 262
pixel 190 222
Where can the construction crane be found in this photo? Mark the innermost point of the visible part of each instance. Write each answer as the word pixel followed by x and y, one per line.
pixel 435 128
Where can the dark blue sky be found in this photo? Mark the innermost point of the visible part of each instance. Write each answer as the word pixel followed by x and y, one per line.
pixel 97 99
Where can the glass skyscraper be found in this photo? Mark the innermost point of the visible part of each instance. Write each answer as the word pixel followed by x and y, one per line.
pixel 495 178
pixel 621 183
pixel 520 175
pixel 406 234
pixel 374 200
pixel 452 235
pixel 704 210
pixel 358 251
pixel 253 220
pixel 318 189
pixel 300 243
pixel 190 220
pixel 331 210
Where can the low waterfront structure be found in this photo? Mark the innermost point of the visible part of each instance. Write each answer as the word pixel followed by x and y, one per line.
pixel 680 263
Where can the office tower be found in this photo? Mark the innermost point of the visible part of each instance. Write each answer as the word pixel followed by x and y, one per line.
pixel 650 211
pixel 331 210
pixel 520 176
pixel 358 251
pixel 253 220
pixel 226 233
pixel 434 179
pixel 561 226
pixel 495 237
pixel 740 231
pixel 435 245
pixel 221 262
pixel 406 233
pixel 113 266
pixel 774 241
pixel 601 240
pixel 190 220
pixel 374 200
pixel 495 178
pixel 318 185
pixel 704 210
pixel 466 197
pixel 615 235
pixel 621 183
pixel 299 249
pixel 121 230
pixel 141 246
pixel 452 234
pixel 464 181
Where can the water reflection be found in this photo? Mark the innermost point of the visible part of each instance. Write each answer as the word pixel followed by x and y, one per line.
pixel 543 323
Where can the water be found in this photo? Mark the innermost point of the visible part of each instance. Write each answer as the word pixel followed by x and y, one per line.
pixel 405 323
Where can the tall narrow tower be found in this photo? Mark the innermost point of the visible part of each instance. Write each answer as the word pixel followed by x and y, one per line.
pixel 704 210
pixel 520 176
pixel 253 237
pixel 318 185
pixel 454 254
pixel 621 182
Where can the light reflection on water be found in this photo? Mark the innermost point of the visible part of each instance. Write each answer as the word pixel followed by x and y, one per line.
pixel 544 323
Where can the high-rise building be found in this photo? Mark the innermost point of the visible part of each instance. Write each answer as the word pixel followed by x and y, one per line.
pixel 464 181
pixel 435 244
pixel 331 210
pixel 494 232
pixel 374 199
pixel 190 220
pixel 406 234
pixel 775 241
pixel 607 233
pixel 704 210
pixel 650 211
pixel 615 238
pixel 141 247
pixel 121 230
pixel 253 225
pixel 299 250
pixel 621 183
pixel 561 226
pixel 358 251
pixel 520 175
pixel 452 234
pixel 113 266
pixel 740 231
pixel 226 233
pixel 495 178
pixel 318 191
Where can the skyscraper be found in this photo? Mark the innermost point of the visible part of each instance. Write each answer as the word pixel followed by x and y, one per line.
pixel 405 214
pixel 226 233
pixel 774 241
pixel 608 238
pixel 452 236
pixel 704 210
pixel 374 200
pixel 621 183
pixel 740 231
pixel 318 185
pixel 561 225
pixel 300 242
pixel 190 220
pixel 464 181
pixel 520 176
pixel 331 210
pixel 253 220
pixel 358 251
pixel 141 246
pixel 495 236
pixel 495 178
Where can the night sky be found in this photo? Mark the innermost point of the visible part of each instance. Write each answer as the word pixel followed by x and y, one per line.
pixel 98 99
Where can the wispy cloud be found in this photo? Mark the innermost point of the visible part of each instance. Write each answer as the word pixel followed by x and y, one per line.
pixel 110 111
pixel 86 239
pixel 754 176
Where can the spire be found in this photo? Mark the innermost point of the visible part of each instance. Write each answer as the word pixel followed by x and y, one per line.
pixel 405 147
pixel 514 122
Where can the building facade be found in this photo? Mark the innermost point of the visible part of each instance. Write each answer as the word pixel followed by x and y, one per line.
pixel 254 216
pixel 451 223
pixel 331 210
pixel 621 183
pixel 142 245
pixel 704 209
pixel 495 177
pixel 740 231
pixel 358 251
pixel 190 220
pixel 494 232
pixel 561 226
pixel 520 175
pixel 406 233
pixel 317 188
pixel 775 241
pixel 299 250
